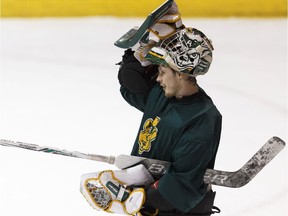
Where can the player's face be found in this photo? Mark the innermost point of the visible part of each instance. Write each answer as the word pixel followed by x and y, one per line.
pixel 168 80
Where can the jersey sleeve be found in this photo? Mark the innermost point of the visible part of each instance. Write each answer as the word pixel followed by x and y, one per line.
pixel 136 100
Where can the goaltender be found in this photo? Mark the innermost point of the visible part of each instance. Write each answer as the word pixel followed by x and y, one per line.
pixel 180 124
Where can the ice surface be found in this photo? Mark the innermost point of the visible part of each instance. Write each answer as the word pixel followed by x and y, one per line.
pixel 59 88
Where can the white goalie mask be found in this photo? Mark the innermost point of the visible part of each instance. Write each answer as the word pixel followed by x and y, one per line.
pixel 188 51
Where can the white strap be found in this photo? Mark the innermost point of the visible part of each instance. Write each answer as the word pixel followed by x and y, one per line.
pixel 120 193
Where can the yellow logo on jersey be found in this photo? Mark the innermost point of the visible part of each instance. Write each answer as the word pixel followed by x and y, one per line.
pixel 148 134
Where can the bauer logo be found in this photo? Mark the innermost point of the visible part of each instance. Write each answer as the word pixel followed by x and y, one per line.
pixel 157 169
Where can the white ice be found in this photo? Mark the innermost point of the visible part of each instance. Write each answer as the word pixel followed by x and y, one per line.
pixel 59 88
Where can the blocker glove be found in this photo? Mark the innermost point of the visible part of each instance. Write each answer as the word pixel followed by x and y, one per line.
pixel 166 26
pixel 135 77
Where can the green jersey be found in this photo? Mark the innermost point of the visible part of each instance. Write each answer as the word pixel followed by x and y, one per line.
pixel 183 131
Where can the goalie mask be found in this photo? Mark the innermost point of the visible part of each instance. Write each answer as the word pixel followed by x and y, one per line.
pixel 188 51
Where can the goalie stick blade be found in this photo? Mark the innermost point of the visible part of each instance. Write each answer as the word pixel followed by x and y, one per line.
pixel 130 38
pixel 244 175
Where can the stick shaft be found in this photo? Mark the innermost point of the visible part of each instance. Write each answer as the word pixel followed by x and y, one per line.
pixel 52 150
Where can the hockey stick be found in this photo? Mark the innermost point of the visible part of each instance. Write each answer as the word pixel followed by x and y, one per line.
pixel 157 167
pixel 130 38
